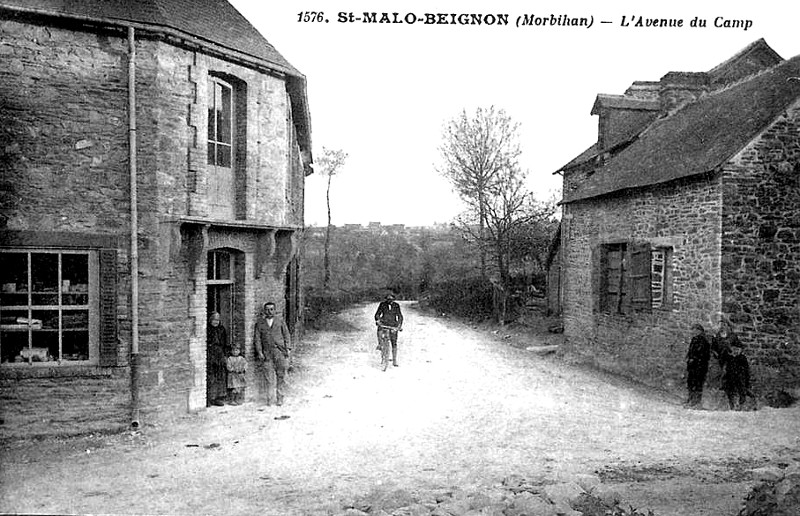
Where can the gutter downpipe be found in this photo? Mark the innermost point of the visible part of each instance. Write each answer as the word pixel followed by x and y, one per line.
pixel 134 253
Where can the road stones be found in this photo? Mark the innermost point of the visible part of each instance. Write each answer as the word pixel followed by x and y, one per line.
pixel 777 493
pixel 563 495
pixel 529 504
pixel 586 481
pixel 569 495
pixel 608 495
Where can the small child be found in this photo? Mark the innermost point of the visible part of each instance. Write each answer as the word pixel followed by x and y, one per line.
pixel 237 366
pixel 736 378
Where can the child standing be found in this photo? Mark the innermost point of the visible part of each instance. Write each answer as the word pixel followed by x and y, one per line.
pixel 697 358
pixel 736 378
pixel 237 366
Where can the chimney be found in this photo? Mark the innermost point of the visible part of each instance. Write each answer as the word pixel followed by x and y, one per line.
pixel 680 88
pixel 643 90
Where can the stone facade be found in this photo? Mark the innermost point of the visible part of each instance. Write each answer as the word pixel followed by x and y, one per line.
pixel 724 241
pixel 649 345
pixel 761 247
pixel 65 185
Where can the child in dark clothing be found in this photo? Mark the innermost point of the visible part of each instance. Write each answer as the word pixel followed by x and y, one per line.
pixel 736 378
pixel 697 358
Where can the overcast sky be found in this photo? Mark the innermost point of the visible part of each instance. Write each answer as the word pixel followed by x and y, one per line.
pixel 383 92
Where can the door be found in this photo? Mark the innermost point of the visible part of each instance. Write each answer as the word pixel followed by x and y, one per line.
pixel 221 300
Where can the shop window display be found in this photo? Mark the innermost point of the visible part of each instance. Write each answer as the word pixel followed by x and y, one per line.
pixel 47 307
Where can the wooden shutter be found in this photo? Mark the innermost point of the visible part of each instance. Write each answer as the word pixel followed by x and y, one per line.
pixel 639 277
pixel 612 267
pixel 108 308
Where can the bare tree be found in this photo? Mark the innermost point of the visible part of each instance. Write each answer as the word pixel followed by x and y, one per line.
pixel 508 207
pixel 330 162
pixel 474 150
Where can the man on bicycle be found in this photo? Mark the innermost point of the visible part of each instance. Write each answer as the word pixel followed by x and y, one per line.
pixel 389 314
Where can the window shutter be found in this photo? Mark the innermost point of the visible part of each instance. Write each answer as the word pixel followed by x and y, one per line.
pixel 640 283
pixel 108 308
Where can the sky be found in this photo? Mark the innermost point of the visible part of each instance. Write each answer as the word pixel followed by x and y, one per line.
pixel 383 92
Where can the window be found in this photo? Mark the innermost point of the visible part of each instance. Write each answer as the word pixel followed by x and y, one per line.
pixel 220 123
pixel 634 277
pixel 48 306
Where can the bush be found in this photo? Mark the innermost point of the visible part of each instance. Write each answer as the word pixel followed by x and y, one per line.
pixel 470 297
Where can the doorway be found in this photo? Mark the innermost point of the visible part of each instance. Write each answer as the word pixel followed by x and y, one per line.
pixel 221 299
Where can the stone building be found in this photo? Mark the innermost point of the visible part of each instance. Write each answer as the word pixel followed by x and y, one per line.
pixel 153 159
pixel 687 210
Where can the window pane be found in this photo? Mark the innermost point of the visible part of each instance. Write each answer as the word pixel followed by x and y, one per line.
pixel 219 265
pixel 224 116
pixel 74 273
pixel 75 320
pixel 44 272
pixel 13 279
pixel 13 335
pixel 212 124
pixel 223 156
pixel 75 345
pixel 74 335
pixel 212 153
pixel 44 324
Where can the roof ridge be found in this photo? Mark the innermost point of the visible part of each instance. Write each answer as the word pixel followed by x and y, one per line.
pixel 748 78
pixel 759 42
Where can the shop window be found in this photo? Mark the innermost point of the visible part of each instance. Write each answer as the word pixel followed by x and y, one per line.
pixel 53 310
pixel 634 277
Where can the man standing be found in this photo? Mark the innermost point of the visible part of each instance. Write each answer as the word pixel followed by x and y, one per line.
pixel 273 345
pixel 389 314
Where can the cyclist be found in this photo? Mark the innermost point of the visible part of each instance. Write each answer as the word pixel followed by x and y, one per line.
pixel 389 316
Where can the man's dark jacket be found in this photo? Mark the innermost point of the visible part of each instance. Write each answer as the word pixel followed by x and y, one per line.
pixel 269 340
pixel 389 314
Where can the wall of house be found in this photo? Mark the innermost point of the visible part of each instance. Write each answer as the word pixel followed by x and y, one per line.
pixel 64 102
pixel 173 283
pixel 761 248
pixel 64 126
pixel 649 347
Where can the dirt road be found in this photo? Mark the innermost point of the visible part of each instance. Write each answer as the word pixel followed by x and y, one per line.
pixel 464 408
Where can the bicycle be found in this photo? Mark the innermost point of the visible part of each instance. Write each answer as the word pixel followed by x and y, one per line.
pixel 385 343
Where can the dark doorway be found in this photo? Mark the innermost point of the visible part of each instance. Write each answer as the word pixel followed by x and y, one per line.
pixel 221 295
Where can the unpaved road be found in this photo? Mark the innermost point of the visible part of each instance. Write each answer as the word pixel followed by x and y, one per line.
pixel 464 408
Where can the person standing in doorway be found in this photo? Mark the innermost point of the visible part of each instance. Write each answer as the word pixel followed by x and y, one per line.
pixel 218 348
pixel 273 345
pixel 389 314
pixel 697 357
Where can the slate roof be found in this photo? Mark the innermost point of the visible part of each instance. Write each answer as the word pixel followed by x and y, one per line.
pixel 700 137
pixel 751 59
pixel 213 21
pixel 583 157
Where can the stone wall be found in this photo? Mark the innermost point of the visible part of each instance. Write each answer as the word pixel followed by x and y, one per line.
pixel 63 128
pixel 64 133
pixel 650 347
pixel 761 249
